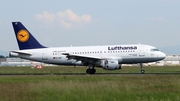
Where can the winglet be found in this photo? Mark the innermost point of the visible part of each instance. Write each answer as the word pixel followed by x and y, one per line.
pixel 24 38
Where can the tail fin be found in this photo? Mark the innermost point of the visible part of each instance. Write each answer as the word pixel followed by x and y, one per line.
pixel 24 38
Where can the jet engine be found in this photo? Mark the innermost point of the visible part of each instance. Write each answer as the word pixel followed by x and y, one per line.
pixel 110 64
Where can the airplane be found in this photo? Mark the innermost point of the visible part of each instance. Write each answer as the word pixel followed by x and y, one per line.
pixel 108 57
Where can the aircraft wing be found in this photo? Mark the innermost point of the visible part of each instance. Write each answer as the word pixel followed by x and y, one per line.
pixel 78 57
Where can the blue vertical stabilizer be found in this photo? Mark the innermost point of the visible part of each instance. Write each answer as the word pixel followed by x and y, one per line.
pixel 24 38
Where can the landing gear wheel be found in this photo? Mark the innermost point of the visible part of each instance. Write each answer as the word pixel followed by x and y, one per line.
pixel 90 71
pixel 142 71
pixel 87 71
pixel 94 70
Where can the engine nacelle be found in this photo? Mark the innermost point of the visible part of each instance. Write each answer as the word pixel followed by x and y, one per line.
pixel 110 64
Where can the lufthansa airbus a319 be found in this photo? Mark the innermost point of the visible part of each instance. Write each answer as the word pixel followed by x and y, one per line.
pixel 109 57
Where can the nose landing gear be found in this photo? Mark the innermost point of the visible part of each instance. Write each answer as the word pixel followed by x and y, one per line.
pixel 142 70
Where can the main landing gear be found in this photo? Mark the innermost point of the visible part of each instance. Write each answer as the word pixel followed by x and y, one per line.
pixel 91 70
pixel 142 70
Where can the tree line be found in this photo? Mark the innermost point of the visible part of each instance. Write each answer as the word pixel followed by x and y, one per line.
pixel 1 56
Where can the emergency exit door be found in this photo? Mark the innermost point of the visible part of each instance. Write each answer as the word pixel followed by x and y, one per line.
pixel 44 55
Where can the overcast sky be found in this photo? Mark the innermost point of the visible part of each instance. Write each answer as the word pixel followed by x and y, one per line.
pixel 92 22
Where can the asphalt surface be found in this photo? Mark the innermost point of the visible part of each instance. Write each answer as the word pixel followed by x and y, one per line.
pixel 120 74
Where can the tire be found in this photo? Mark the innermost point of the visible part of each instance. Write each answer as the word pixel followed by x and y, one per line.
pixel 142 71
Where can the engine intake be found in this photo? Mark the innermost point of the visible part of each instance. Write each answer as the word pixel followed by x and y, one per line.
pixel 110 64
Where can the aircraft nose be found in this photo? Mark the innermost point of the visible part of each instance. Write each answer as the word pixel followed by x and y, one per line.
pixel 162 55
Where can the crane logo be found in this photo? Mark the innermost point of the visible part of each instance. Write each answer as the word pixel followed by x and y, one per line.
pixel 23 36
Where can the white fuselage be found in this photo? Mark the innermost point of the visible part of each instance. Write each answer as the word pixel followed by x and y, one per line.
pixel 125 54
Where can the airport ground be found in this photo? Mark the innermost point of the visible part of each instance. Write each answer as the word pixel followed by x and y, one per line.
pixel 160 83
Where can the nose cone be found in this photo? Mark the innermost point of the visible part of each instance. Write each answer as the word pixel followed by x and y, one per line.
pixel 161 55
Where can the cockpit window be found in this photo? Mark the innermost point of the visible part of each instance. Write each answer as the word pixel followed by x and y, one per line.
pixel 153 50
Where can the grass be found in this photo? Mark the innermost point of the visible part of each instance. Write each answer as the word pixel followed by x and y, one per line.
pixel 71 69
pixel 89 87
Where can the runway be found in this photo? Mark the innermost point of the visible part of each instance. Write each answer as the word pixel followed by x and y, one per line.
pixel 84 74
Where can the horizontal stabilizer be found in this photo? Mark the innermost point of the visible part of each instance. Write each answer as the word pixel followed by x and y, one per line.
pixel 23 53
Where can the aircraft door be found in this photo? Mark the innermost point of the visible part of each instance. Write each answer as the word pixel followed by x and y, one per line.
pixel 44 55
pixel 141 51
